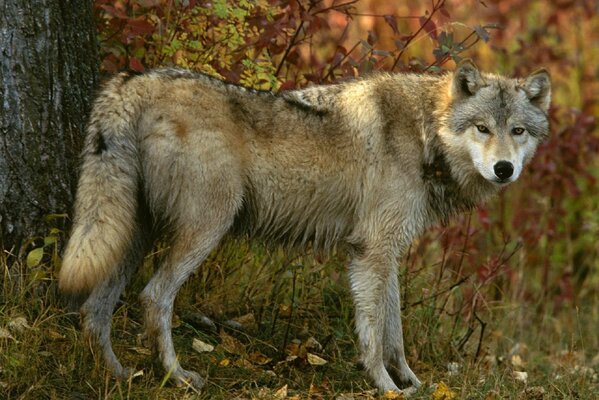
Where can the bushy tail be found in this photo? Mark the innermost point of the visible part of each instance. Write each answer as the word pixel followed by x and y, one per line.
pixel 107 194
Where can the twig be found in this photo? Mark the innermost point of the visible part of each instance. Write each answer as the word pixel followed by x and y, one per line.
pixel 434 296
pixel 436 7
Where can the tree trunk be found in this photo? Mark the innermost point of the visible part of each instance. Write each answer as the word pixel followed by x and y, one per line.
pixel 48 70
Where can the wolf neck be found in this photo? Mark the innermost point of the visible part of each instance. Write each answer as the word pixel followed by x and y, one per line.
pixel 449 189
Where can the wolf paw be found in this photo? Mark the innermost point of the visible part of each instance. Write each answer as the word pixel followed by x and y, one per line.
pixel 184 378
pixel 404 376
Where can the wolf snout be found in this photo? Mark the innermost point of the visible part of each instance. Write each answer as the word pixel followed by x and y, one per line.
pixel 503 170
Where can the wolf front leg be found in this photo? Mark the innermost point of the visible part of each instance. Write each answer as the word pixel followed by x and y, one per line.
pixel 373 279
pixel 395 358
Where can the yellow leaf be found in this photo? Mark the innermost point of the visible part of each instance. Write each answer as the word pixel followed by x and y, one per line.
pixel 281 393
pixel 258 358
pixel 224 362
pixel 443 392
pixel 313 359
pixel 393 395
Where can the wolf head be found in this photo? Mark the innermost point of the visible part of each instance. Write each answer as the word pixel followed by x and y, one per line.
pixel 495 123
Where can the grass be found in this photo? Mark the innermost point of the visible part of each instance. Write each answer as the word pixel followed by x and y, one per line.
pixel 281 306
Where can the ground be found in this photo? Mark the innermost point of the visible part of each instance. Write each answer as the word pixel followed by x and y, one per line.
pixel 283 330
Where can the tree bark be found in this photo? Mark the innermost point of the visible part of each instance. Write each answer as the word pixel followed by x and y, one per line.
pixel 48 70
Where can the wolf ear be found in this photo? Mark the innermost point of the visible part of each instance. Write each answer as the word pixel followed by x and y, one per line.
pixel 538 89
pixel 466 79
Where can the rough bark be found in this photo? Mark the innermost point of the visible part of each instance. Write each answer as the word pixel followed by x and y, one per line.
pixel 48 71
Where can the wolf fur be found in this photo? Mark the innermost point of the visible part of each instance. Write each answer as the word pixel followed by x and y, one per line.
pixel 370 163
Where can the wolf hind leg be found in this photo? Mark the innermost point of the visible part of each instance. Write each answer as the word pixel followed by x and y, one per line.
pixel 189 249
pixel 395 358
pixel 97 310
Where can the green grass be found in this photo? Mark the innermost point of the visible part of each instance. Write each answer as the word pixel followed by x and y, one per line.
pixel 283 303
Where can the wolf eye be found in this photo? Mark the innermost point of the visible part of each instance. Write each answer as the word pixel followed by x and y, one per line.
pixel 482 128
pixel 518 131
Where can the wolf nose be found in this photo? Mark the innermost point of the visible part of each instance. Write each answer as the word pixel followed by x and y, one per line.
pixel 503 169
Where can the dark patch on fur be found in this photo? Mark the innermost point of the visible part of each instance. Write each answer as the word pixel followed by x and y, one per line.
pixel 445 197
pixel 308 109
pixel 242 114
pixel 101 145
pixel 129 74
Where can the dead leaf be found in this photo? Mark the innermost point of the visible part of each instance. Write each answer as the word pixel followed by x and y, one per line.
pixel 18 325
pixel 520 376
pixel 258 358
pixel 55 335
pixel 285 310
pixel 224 362
pixel 242 362
pixel 231 345
pixel 313 359
pixel 516 361
pixel 535 392
pixel 5 334
pixel 142 350
pixel 281 393
pixel 246 320
pixel 312 344
pixel 201 347
pixel 393 395
pixel 443 392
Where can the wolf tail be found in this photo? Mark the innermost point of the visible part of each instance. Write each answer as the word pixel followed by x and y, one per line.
pixel 107 193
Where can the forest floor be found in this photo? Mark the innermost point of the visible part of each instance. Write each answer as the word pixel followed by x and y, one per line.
pixel 288 334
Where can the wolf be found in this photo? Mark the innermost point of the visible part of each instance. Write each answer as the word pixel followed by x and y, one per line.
pixel 367 164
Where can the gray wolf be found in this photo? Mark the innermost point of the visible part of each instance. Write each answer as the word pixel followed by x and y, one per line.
pixel 368 163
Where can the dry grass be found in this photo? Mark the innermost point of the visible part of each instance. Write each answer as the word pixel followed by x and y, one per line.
pixel 280 304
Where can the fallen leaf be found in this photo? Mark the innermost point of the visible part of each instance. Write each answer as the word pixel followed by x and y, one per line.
pixel 393 395
pixel 535 392
pixel 18 325
pixel 138 373
pixel 201 347
pixel 285 310
pixel 281 393
pixel 258 358
pixel 312 344
pixel 5 334
pixel 142 350
pixel 55 335
pixel 313 359
pixel 520 376
pixel 231 345
pixel 443 392
pixel 246 320
pixel 224 362
pixel 242 362
pixel 517 362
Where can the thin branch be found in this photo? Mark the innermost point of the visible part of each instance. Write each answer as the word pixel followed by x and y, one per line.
pixel 435 295
pixel 436 7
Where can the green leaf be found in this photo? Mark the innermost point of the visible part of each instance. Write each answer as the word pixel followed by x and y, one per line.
pixel 220 8
pixel 49 240
pixel 35 257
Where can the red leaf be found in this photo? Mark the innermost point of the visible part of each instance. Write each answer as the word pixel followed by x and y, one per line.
pixel 429 26
pixel 392 22
pixel 139 27
pixel 135 64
